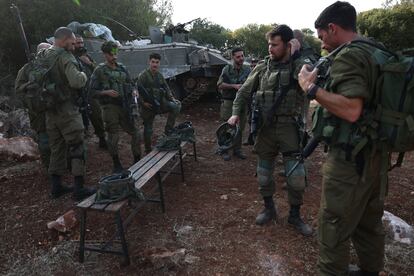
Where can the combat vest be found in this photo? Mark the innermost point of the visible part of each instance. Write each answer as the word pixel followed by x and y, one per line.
pixel 232 76
pixel 274 78
pixel 58 90
pixel 115 79
pixel 154 84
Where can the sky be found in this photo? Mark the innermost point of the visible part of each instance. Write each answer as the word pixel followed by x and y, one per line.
pixel 233 14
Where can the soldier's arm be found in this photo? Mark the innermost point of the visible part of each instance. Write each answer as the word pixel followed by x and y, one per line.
pixel 350 86
pixel 76 78
pixel 243 95
pixel 97 88
pixel 223 82
pixel 168 91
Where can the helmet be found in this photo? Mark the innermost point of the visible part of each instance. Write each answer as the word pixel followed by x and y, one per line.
pixel 227 136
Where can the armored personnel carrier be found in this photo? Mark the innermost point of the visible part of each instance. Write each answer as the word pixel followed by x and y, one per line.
pixel 190 69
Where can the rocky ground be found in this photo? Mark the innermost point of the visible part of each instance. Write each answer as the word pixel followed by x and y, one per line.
pixel 208 228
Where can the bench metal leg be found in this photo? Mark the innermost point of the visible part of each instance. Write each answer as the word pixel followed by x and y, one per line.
pixel 160 188
pixel 121 235
pixel 82 236
pixel 195 151
pixel 181 165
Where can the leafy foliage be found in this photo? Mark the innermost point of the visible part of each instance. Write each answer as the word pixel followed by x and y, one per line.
pixel 393 26
pixel 208 33
pixel 42 17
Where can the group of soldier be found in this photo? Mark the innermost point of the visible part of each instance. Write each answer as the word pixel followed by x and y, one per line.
pixel 75 90
pixel 280 87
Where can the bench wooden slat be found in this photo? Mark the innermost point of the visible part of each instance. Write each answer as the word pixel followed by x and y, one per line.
pixel 88 202
pixel 142 161
pixel 154 169
pixel 149 164
pixel 116 206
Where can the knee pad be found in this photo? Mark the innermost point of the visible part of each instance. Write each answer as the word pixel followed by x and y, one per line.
pixel 265 172
pixel 296 180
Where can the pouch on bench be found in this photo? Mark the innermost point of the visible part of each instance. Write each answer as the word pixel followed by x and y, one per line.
pixel 117 187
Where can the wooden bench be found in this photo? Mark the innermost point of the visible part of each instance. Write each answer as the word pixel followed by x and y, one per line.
pixel 153 165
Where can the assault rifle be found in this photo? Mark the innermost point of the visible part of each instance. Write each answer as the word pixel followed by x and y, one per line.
pixel 307 151
pixel 130 101
pixel 147 97
pixel 22 33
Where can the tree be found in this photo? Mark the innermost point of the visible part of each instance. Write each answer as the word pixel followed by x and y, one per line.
pixel 252 39
pixel 208 33
pixel 42 17
pixel 393 26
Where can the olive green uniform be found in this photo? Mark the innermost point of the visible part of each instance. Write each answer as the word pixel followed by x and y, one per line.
pixel 37 118
pixel 96 113
pixel 115 113
pixel 282 133
pixel 231 75
pixel 158 89
pixel 351 205
pixel 63 121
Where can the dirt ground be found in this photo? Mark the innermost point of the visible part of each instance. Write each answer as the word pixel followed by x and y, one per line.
pixel 208 223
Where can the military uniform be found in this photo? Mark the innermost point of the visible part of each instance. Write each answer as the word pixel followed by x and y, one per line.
pixel 37 118
pixel 64 122
pixel 157 87
pixel 231 75
pixel 280 133
pixel 351 203
pixel 115 113
pixel 96 112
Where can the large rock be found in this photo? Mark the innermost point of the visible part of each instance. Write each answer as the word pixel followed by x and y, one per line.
pixel 397 229
pixel 18 149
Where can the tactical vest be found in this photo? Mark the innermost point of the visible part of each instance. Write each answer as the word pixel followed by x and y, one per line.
pixel 58 90
pixel 271 82
pixel 231 76
pixel 113 79
pixel 154 85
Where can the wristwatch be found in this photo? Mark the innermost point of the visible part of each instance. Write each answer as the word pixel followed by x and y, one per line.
pixel 311 91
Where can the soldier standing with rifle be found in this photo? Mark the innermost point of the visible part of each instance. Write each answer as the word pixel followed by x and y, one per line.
pixel 231 79
pixel 279 102
pixel 90 107
pixel 155 98
pixel 113 86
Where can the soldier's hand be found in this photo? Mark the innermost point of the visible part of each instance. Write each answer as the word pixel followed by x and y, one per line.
pixel 147 105
pixel 111 93
pixel 294 46
pixel 237 86
pixel 307 76
pixel 86 60
pixel 233 120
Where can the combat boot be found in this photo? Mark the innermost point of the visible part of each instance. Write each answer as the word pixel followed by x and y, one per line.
pixel 137 158
pixel 238 153
pixel 297 222
pixel 102 143
pixel 117 164
pixel 81 192
pixel 354 270
pixel 226 156
pixel 268 213
pixel 57 188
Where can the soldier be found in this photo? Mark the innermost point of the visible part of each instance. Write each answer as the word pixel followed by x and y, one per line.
pixel 112 85
pixel 279 131
pixel 155 98
pixel 87 66
pixel 351 203
pixel 37 117
pixel 231 79
pixel 63 121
